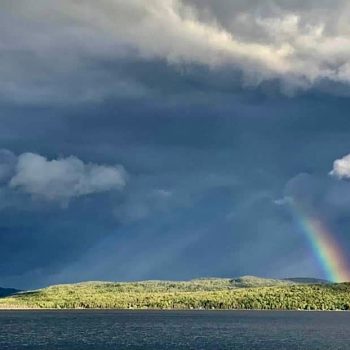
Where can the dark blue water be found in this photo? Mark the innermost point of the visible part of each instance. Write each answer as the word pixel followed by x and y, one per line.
pixel 100 330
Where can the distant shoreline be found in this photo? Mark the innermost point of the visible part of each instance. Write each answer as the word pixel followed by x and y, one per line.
pixel 244 293
pixel 165 310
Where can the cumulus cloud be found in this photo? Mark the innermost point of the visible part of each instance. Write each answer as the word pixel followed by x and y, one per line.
pixel 59 179
pixel 341 168
pixel 300 43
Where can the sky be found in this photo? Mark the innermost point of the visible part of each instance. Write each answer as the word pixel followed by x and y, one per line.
pixel 164 139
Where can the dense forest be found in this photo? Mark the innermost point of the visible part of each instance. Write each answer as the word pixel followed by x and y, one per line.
pixel 241 293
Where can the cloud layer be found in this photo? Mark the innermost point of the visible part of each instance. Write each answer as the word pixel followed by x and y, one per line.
pixel 300 44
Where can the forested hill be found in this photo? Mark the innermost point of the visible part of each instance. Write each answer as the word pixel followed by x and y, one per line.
pixel 211 293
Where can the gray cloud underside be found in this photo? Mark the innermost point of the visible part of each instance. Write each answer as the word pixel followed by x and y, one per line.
pixel 46 43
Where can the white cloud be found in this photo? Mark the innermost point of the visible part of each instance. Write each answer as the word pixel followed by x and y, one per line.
pixel 299 43
pixel 65 178
pixel 341 168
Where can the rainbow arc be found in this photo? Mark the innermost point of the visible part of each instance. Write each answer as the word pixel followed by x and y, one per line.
pixel 326 249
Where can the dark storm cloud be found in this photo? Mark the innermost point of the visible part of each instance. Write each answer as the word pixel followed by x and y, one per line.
pixel 202 182
pixel 49 49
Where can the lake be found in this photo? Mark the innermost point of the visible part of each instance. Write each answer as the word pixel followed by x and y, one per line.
pixel 102 330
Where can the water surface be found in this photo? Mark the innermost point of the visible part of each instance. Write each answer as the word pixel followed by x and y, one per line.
pixel 107 330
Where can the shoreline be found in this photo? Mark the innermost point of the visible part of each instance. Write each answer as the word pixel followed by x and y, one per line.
pixel 165 310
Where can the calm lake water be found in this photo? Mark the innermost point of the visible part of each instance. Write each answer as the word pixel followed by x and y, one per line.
pixel 100 330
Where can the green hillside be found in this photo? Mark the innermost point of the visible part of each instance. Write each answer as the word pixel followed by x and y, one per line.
pixel 213 293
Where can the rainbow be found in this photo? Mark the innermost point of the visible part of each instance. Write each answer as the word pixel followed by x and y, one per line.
pixel 325 248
